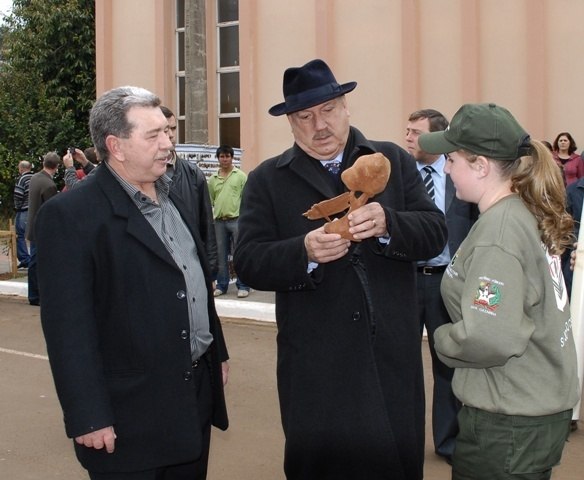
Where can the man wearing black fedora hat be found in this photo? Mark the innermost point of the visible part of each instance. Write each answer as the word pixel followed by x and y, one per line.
pixel 349 352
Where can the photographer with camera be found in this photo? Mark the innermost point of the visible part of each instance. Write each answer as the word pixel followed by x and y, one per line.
pixel 73 175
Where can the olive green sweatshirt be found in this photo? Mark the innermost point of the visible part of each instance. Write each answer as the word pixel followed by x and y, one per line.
pixel 511 338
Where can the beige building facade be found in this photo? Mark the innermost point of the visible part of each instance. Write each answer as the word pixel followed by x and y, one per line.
pixel 219 63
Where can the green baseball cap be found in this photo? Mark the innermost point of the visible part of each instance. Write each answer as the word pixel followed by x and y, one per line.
pixel 483 129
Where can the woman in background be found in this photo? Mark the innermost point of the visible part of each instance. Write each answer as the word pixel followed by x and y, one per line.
pixel 564 152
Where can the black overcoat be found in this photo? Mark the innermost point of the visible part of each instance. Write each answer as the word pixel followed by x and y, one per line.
pixel 114 314
pixel 349 349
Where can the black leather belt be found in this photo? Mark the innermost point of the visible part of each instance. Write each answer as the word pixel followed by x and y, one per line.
pixel 427 270
pixel 226 219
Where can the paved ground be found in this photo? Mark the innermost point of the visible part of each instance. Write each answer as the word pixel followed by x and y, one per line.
pixel 32 441
pixel 257 306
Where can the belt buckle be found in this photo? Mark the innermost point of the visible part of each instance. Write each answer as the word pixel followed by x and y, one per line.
pixel 426 270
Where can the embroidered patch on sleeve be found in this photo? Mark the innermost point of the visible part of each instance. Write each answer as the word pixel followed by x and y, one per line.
pixel 487 295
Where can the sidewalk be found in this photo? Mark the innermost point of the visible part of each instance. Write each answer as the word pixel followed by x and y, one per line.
pixel 258 306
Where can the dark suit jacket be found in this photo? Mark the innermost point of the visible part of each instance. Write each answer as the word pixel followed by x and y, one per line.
pixel 349 359
pixel 460 217
pixel 41 188
pixel 115 320
pixel 574 198
pixel 190 184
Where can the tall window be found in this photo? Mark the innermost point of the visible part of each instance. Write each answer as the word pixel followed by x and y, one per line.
pixel 228 72
pixel 179 108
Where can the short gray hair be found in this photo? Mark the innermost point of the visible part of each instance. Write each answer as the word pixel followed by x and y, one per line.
pixel 109 115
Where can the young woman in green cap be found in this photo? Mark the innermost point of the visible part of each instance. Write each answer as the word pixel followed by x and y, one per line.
pixel 510 340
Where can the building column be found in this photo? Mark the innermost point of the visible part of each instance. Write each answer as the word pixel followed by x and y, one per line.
pixel 197 110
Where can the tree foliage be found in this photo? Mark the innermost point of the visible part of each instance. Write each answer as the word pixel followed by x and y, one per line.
pixel 47 82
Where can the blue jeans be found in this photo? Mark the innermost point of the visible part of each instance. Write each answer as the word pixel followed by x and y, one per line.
pixel 21 247
pixel 226 233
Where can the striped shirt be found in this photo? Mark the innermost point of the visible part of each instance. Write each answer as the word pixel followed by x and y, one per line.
pixel 21 192
pixel 178 241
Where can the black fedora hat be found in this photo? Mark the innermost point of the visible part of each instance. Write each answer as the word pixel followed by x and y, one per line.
pixel 307 86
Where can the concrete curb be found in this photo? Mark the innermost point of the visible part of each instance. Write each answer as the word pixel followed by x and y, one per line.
pixel 263 312
pixel 19 289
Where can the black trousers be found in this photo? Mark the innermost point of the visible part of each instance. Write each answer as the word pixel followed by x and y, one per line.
pixel 196 470
pixel 445 405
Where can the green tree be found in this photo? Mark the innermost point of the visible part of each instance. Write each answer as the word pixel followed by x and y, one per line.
pixel 47 82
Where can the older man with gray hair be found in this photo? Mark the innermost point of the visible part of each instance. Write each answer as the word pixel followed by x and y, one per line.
pixel 134 341
pixel 21 190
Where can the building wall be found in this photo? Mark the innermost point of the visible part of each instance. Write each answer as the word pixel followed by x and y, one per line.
pixel 135 45
pixel 527 55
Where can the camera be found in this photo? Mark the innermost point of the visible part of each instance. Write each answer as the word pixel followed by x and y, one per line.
pixel 72 151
